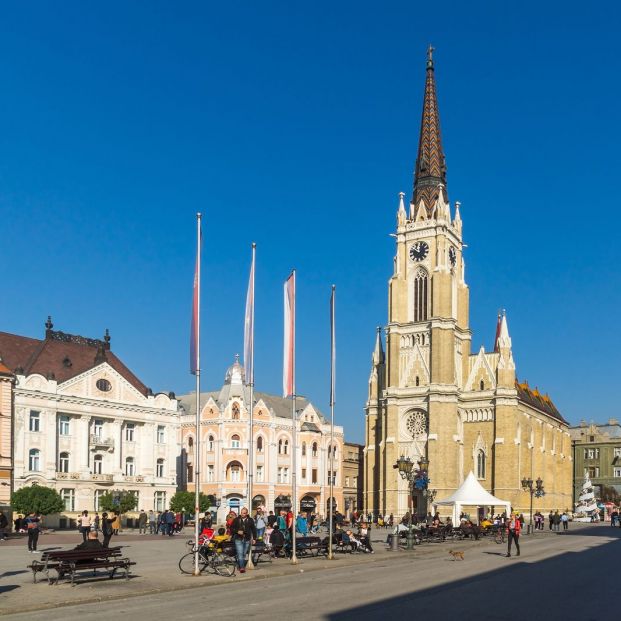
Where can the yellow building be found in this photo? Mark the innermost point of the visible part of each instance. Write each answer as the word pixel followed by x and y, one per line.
pixel 428 394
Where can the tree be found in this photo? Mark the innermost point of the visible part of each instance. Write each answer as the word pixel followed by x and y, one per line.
pixel 119 501
pixel 37 498
pixel 609 494
pixel 184 501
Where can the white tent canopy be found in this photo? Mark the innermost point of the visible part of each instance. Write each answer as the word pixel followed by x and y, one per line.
pixel 471 494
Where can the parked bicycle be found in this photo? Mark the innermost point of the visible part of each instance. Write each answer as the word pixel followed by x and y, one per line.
pixel 208 558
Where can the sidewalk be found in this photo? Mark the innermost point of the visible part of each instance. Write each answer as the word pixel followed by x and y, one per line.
pixel 157 571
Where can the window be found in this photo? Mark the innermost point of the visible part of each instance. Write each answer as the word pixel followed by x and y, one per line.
pixel 104 385
pixel 591 438
pixel 129 467
pixel 97 497
pixel 355 481
pixel 191 445
pixel 480 464
pixel 129 432
pixel 161 434
pixel 420 295
pixel 35 421
pixel 482 385
pixel 303 449
pixel 68 497
pixel 286 447
pixel 34 460
pixel 283 475
pixel 260 444
pixel 259 474
pixel 617 451
pixel 210 444
pixel 303 474
pixel 98 464
pixel 210 474
pixel 331 477
pixel 63 426
pixel 190 473
pixel 314 475
pixel 346 481
pixel 63 462
pixel 593 471
pixel 616 472
pixel 98 428
pixel 159 501
pixel 136 494
pixel 235 411
pixel 314 449
pixel 159 468
pixel 234 472
pixel 235 441
pixel 591 453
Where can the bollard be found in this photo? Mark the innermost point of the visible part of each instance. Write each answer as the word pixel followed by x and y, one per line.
pixel 395 542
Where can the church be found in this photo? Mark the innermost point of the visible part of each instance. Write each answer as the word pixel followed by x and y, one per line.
pixel 430 396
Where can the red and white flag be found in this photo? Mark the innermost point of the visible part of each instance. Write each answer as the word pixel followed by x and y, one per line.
pixel 288 376
pixel 195 324
pixel 249 326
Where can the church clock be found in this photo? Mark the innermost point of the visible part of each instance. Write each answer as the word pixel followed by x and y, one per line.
pixel 419 251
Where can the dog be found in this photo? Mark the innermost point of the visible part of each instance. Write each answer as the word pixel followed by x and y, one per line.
pixel 456 554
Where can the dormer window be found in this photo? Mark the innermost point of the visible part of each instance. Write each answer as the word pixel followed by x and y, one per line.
pixel 235 411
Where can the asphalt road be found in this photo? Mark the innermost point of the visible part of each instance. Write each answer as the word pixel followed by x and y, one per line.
pixel 567 576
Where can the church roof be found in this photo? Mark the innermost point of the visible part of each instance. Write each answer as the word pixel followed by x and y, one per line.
pixel 61 356
pixel 535 399
pixel 430 171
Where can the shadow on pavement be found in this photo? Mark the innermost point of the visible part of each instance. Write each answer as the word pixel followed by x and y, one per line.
pixel 572 585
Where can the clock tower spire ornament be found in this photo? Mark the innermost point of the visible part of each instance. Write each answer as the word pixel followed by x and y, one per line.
pixel 430 171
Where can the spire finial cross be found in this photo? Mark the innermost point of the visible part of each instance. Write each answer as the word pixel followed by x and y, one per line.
pixel 430 51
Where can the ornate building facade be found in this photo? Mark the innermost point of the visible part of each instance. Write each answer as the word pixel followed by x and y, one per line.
pixel 428 394
pixel 6 435
pixel 224 445
pixel 353 476
pixel 84 424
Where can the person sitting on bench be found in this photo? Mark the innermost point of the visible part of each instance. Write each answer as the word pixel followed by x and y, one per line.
pixel 92 543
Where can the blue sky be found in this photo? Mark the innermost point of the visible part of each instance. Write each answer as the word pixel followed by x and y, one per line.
pixel 295 126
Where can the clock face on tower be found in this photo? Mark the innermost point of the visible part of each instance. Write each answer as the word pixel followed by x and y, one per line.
pixel 452 256
pixel 419 251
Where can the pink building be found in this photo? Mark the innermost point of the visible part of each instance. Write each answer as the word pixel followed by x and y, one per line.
pixel 224 449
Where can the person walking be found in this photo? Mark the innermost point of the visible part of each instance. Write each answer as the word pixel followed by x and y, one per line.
pixel 142 522
pixel 557 521
pixel 84 522
pixel 513 534
pixel 551 519
pixel 244 532
pixel 116 523
pixel 260 524
pixel 32 528
pixel 151 519
pixel 565 520
pixel 170 520
pixel 107 529
pixel 3 525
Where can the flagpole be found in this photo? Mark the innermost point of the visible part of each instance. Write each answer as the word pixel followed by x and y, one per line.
pixel 294 478
pixel 250 379
pixel 332 399
pixel 197 451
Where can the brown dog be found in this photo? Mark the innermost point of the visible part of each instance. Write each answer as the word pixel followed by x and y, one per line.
pixel 456 554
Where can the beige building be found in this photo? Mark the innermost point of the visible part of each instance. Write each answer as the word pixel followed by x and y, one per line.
pixel 428 394
pixel 224 424
pixel 6 434
pixel 353 476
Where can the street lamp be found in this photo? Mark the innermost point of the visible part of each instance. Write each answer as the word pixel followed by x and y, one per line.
pixel 534 488
pixel 418 479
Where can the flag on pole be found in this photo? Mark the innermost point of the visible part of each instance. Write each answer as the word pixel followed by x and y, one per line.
pixel 249 326
pixel 333 346
pixel 288 377
pixel 194 328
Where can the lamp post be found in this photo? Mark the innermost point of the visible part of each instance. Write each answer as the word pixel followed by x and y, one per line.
pixel 534 488
pixel 418 479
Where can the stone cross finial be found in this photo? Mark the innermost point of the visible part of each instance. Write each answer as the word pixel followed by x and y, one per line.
pixel 430 51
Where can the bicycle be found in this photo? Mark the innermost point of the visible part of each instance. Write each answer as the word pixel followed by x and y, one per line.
pixel 499 535
pixel 208 557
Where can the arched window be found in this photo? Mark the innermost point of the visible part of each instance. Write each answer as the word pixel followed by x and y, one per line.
pixel 280 446
pixel 63 462
pixel 314 449
pixel 190 445
pixel 98 464
pixel 482 385
pixel 421 286
pixel 235 411
pixel 234 472
pixel 34 460
pixel 480 464
pixel 210 443
pixel 260 444
pixel 235 441
pixel 129 467
pixel 159 468
pixel 303 449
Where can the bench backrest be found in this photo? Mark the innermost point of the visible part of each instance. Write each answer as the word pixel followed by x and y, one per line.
pixel 76 555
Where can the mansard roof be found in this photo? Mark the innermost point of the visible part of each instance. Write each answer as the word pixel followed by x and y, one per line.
pixel 61 356
pixel 534 399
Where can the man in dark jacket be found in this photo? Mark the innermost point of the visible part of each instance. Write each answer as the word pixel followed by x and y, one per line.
pixel 92 543
pixel 106 529
pixel 244 531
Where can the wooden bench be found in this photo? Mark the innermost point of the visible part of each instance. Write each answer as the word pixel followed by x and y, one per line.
pixel 310 545
pixel 72 561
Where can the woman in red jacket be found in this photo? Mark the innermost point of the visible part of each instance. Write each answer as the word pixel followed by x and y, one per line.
pixel 513 533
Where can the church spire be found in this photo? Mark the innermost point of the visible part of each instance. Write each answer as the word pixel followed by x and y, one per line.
pixel 430 172
pixel 378 352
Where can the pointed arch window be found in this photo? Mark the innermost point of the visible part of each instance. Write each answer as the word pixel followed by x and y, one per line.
pixel 235 414
pixel 260 444
pixel 421 295
pixel 303 449
pixel 480 464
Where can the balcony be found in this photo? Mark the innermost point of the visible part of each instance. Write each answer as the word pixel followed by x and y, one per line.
pixel 67 476
pixel 129 478
pixel 101 442
pixel 102 478
pixel 234 452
